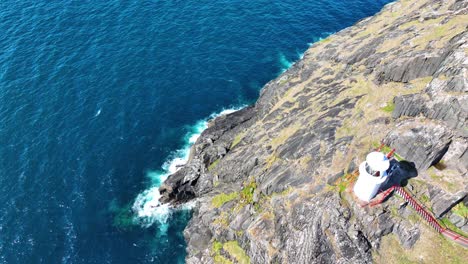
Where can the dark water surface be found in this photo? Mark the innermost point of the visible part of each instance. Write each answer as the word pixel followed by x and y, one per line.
pixel 96 95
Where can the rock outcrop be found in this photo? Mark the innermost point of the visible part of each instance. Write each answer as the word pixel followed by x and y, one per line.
pixel 269 180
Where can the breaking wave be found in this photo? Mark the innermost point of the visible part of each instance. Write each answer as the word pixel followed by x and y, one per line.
pixel 284 62
pixel 147 208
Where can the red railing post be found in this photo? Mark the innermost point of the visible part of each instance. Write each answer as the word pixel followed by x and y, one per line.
pixel 380 147
pixel 390 154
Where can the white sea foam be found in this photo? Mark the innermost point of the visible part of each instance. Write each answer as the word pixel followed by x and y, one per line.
pixel 318 39
pixel 148 210
pixel 300 55
pixel 285 64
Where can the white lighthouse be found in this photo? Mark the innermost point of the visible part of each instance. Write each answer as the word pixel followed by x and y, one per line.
pixel 372 174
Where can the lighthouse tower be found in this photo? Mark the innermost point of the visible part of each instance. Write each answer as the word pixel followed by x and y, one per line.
pixel 372 174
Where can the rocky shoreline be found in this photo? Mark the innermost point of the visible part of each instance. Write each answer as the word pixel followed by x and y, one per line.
pixel 269 179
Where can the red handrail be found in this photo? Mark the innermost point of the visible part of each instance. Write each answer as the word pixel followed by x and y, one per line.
pixel 460 239
pixel 390 154
pixel 419 209
pixel 384 195
pixel 380 147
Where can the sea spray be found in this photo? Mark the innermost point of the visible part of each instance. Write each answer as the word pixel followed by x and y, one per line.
pixel 284 63
pixel 300 55
pixel 147 208
pixel 322 37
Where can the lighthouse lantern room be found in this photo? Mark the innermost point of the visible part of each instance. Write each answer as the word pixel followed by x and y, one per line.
pixel 372 174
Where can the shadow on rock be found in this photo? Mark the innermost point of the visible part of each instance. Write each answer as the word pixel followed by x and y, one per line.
pixel 401 172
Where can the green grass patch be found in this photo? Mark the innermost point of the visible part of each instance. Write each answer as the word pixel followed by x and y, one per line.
pixel 218 259
pixel 237 140
pixel 451 186
pixel 442 31
pixel 461 210
pixel 398 157
pixel 216 253
pixel 216 247
pixel 433 174
pixel 386 149
pixel 388 108
pixel 342 185
pixel 413 218
pixel 283 81
pixel 284 135
pixel 430 248
pixel 247 192
pixel 424 199
pixel 223 198
pixel 235 251
pixel 270 160
pixel 213 165
pixel 446 222
pixel 222 220
pixel 282 193
pixel 257 208
pixel 392 252
pixel 394 211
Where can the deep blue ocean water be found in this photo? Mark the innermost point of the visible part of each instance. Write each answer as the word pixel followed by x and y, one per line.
pixel 97 96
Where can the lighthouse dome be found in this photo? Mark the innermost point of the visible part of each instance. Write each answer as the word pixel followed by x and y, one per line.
pixel 378 161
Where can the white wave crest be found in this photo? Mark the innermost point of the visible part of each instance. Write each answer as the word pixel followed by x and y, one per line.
pixel 284 62
pixel 147 208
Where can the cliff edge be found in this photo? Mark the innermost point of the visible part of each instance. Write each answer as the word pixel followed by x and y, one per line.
pixel 270 180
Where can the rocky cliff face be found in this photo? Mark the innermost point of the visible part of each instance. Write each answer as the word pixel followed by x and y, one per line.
pixel 270 180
